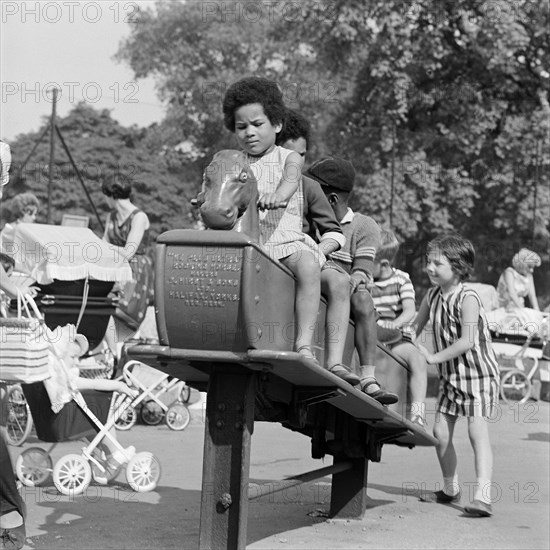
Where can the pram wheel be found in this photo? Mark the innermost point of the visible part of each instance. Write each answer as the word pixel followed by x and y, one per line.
pixel 72 474
pixel 515 386
pixel 125 418
pixel 185 394
pixel 177 417
pixel 19 421
pixel 34 467
pixel 151 413
pixel 143 472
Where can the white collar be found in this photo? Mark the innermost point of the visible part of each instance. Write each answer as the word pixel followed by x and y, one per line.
pixel 348 216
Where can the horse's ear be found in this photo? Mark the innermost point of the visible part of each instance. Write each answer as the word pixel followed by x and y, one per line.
pixel 199 200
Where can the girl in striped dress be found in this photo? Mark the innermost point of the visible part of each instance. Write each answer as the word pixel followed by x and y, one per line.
pixel 468 370
pixel 254 111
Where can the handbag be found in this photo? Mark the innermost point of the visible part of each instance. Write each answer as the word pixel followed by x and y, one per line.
pixel 24 345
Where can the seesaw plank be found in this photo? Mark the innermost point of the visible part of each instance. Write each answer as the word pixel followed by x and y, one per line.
pixel 194 366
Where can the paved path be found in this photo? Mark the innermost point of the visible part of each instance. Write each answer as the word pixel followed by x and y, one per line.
pixel 168 518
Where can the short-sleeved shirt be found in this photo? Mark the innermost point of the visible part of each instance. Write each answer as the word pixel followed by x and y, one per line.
pixel 362 235
pixel 388 294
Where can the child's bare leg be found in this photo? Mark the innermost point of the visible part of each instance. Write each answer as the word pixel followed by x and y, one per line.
pixel 478 432
pixel 444 427
pixel 366 340
pixel 418 377
pixel 308 294
pixel 335 287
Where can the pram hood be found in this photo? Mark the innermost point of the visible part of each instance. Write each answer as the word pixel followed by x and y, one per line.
pixel 48 252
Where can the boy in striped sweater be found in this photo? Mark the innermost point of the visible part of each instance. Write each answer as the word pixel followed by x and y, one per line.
pixel 356 257
pixel 394 299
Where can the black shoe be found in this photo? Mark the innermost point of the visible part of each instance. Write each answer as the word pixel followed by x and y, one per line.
pixel 440 497
pixel 479 508
pixel 345 373
pixel 382 396
pixel 13 538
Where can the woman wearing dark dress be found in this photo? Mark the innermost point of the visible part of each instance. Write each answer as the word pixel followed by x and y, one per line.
pixel 127 227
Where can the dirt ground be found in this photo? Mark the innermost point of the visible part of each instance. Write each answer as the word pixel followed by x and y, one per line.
pixel 168 517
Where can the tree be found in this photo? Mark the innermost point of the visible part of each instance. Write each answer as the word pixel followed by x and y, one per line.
pixel 100 146
pixel 450 110
pixel 442 106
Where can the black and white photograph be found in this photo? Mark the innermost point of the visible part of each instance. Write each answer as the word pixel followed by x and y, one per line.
pixel 274 274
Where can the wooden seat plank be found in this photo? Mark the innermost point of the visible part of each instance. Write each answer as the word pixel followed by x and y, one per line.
pixel 193 366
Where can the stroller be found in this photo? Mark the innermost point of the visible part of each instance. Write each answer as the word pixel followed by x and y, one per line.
pixel 521 353
pixel 72 473
pixel 89 412
pixel 165 401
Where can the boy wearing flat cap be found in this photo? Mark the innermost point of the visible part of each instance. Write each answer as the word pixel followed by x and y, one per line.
pixel 356 257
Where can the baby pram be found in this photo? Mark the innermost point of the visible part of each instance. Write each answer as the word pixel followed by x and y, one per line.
pixel 77 418
pixel 522 351
pixel 74 283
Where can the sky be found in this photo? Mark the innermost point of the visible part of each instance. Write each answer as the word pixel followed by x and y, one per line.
pixel 70 44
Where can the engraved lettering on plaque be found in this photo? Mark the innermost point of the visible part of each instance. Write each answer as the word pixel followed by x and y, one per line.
pixel 203 280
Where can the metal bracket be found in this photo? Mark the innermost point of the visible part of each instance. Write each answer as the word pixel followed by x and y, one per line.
pixel 320 397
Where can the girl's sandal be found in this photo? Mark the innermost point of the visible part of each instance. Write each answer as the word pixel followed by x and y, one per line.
pixel 382 396
pixel 345 373
pixel 307 352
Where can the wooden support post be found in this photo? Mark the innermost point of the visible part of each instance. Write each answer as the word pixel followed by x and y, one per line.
pixel 348 498
pixel 228 430
pixel 349 487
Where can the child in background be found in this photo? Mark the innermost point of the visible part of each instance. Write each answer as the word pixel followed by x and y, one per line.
pixel 394 299
pixel 356 257
pixel 254 111
pixel 468 369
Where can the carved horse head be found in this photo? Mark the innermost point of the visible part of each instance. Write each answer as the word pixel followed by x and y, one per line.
pixel 229 195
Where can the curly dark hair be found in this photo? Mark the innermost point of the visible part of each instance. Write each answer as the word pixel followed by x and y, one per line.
pixel 253 89
pixel 295 127
pixel 117 186
pixel 458 250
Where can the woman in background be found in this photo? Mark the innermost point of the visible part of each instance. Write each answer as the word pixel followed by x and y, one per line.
pixel 127 227
pixel 23 209
pixel 515 285
pixel 516 282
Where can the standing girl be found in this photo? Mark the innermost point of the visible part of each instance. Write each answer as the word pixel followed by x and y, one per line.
pixel 254 111
pixel 468 370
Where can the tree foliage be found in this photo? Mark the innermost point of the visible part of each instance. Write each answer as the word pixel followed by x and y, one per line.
pixel 100 146
pixel 442 107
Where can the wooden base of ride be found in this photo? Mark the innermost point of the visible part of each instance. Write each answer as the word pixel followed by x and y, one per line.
pixel 224 314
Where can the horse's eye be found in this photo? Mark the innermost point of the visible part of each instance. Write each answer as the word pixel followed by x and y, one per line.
pixel 243 177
